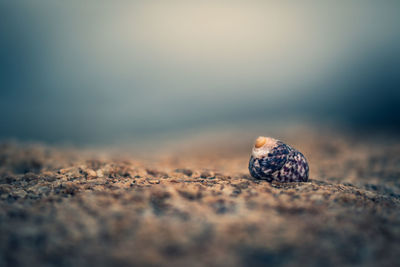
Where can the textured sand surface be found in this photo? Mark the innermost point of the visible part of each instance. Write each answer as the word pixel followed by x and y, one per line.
pixel 196 205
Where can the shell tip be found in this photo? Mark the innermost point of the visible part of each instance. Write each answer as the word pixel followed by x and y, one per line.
pixel 260 141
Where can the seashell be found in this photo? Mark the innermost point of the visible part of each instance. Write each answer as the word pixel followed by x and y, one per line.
pixel 273 160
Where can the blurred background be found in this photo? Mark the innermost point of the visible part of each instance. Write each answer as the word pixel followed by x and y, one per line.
pixel 99 73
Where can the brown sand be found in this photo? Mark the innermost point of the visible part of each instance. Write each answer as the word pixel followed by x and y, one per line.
pixel 196 205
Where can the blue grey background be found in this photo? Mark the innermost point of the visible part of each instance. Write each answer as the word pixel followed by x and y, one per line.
pixel 98 72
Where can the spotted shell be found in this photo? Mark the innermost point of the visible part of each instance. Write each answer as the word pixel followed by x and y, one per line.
pixel 272 160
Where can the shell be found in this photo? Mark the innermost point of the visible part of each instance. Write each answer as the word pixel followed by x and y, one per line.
pixel 273 160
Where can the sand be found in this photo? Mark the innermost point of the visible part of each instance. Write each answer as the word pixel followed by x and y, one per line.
pixel 196 205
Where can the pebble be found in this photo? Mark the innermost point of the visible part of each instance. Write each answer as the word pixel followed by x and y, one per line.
pixel 90 174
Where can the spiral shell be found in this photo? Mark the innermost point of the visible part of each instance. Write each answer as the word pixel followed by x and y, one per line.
pixel 272 160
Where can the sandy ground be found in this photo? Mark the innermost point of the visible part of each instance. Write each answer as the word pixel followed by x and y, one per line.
pixel 195 204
